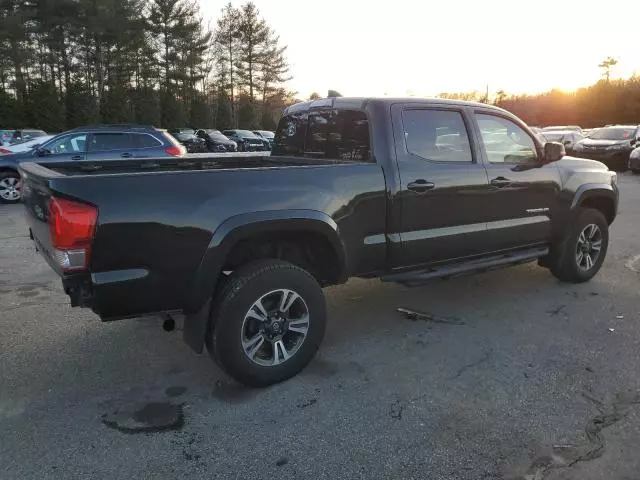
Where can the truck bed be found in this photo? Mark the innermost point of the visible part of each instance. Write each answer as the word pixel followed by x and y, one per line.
pixel 199 162
pixel 156 218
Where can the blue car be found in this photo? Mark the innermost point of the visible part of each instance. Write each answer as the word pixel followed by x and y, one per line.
pixel 96 142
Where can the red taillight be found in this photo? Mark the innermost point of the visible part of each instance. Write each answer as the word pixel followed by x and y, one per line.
pixel 72 225
pixel 4 151
pixel 176 151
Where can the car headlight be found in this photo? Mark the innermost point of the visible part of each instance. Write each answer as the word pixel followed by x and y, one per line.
pixel 578 146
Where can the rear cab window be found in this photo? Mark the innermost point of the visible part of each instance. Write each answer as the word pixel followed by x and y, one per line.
pixel 331 134
pixel 338 135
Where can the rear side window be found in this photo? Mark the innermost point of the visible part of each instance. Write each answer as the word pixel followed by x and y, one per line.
pixel 436 135
pixel 338 135
pixel 110 141
pixel 170 138
pixel 142 140
pixel 289 139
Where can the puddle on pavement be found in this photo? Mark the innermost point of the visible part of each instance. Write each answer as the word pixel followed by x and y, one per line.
pixel 152 417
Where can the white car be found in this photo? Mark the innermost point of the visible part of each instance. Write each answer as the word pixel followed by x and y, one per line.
pixel 24 146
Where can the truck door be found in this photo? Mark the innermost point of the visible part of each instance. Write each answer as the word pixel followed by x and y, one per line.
pixel 444 185
pixel 524 191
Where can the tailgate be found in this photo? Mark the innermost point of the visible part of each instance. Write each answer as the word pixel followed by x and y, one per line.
pixel 35 196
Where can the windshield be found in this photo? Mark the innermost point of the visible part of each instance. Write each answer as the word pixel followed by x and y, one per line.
pixel 266 133
pixel 185 136
pixel 554 137
pixel 246 133
pixel 551 129
pixel 215 134
pixel 613 133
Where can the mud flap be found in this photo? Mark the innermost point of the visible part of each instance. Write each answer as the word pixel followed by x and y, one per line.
pixel 195 327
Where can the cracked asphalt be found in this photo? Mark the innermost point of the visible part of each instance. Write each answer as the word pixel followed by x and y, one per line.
pixel 509 375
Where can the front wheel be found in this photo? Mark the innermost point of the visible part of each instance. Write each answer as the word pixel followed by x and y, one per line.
pixel 580 254
pixel 268 323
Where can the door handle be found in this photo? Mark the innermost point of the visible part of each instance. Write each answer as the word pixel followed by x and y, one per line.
pixel 420 186
pixel 500 182
pixel 76 157
pixel 126 155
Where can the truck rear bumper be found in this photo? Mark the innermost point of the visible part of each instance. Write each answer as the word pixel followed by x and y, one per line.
pixel 114 295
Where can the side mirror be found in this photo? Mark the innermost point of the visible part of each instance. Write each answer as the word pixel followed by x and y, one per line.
pixel 553 151
pixel 42 152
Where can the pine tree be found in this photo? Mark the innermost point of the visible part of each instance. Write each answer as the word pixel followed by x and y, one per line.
pixel 225 44
pixel 253 36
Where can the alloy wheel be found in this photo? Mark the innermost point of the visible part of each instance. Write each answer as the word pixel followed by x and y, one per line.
pixel 275 327
pixel 588 247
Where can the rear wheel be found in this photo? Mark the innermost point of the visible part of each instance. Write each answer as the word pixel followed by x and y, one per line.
pixel 580 254
pixel 268 323
pixel 10 187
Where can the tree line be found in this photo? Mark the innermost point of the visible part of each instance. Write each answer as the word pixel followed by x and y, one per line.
pixel 608 101
pixel 65 63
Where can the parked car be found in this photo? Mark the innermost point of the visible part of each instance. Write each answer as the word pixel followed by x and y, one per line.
pixel 567 137
pixel 25 145
pixel 188 138
pixel 634 160
pixel 246 248
pixel 611 145
pixel 267 137
pixel 93 143
pixel 11 137
pixel 574 128
pixel 216 141
pixel 247 141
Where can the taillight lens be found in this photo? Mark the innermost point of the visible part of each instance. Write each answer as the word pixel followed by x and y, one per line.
pixel 72 225
pixel 4 151
pixel 176 151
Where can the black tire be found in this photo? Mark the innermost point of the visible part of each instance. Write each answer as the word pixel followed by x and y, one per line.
pixel 563 261
pixel 11 176
pixel 244 287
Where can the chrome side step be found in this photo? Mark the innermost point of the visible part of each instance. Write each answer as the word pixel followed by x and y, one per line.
pixel 493 262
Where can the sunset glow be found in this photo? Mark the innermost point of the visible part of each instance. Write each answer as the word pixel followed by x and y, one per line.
pixel 424 48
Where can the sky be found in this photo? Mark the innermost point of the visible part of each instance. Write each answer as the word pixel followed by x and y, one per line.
pixel 423 48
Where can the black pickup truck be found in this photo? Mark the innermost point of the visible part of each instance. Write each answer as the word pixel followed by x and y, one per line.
pixel 403 189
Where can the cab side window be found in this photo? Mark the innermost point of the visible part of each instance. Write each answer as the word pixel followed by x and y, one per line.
pixel 436 135
pixel 504 141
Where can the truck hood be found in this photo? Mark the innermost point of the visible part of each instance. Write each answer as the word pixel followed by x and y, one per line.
pixel 573 163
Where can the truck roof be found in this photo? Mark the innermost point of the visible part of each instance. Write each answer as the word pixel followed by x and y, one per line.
pixel 359 103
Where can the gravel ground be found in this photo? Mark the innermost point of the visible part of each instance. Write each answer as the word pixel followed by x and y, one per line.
pixel 516 377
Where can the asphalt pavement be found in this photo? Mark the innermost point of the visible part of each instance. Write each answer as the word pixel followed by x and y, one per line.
pixel 511 375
